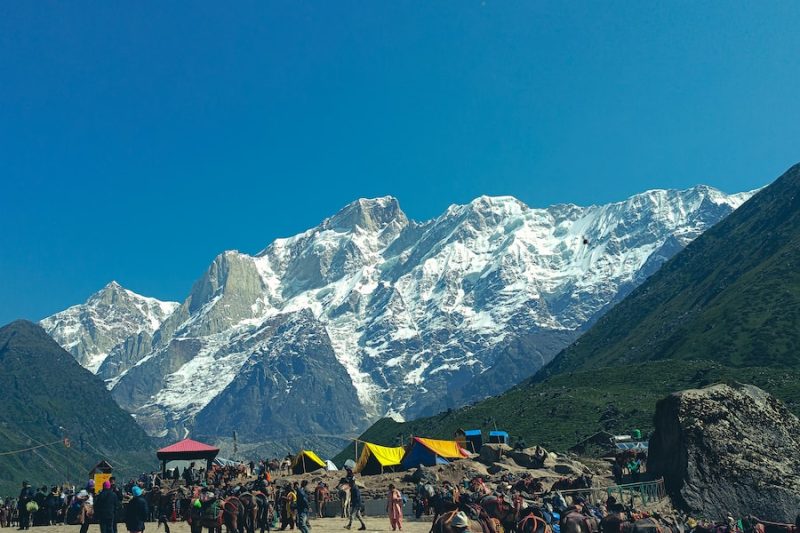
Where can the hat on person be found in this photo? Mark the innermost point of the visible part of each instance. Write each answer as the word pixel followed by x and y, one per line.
pixel 83 494
pixel 106 484
pixel 137 490
pixel 460 521
pixel 91 483
pixel 579 500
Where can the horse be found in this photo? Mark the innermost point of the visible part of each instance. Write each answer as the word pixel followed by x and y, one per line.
pixel 343 491
pixel 581 482
pixel 274 467
pixel 502 510
pixel 529 486
pixel 251 511
pixel 233 514
pixel 575 522
pixel 286 465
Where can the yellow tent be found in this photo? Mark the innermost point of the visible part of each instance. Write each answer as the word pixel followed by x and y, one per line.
pixel 376 459
pixel 430 452
pixel 306 461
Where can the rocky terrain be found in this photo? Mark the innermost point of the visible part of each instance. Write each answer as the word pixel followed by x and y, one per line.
pixel 374 314
pixel 728 451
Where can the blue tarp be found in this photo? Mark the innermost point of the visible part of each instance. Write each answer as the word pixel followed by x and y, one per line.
pixel 498 434
pixel 420 455
pixel 473 433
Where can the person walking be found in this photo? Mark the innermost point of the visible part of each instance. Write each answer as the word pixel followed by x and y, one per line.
pixel 25 497
pixel 105 508
pixel 355 505
pixel 136 511
pixel 288 503
pixel 394 508
pixel 85 510
pixel 302 507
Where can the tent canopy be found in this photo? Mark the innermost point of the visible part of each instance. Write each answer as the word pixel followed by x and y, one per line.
pixel 307 461
pixel 374 459
pixel 329 465
pixel 473 433
pixel 186 450
pixel 430 452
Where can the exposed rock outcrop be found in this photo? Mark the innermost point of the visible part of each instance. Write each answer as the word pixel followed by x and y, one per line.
pixel 728 450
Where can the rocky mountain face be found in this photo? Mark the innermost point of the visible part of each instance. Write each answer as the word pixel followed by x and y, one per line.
pixel 728 451
pixel 47 396
pixel 380 314
pixel 733 295
pixel 113 319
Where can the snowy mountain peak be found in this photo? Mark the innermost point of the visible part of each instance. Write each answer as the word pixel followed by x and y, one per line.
pixel 370 214
pixel 409 317
pixel 89 331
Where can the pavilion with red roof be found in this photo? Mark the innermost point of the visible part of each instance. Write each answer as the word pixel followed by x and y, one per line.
pixel 187 450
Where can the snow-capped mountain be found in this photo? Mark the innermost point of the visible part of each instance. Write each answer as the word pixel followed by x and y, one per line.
pixel 371 313
pixel 111 316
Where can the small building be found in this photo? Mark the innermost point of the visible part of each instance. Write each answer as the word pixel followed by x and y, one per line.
pixel 498 437
pixel 474 440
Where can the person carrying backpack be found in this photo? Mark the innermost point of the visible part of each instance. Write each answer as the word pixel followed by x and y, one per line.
pixel 25 497
pixel 302 507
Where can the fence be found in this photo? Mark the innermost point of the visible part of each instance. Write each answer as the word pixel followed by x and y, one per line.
pixel 634 493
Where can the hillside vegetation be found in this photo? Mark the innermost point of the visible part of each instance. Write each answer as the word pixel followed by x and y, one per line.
pixel 564 409
pixel 46 396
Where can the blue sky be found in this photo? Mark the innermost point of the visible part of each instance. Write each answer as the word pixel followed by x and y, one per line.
pixel 140 139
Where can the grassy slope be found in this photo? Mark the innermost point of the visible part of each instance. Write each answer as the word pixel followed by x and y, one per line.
pixel 42 388
pixel 612 399
pixel 732 296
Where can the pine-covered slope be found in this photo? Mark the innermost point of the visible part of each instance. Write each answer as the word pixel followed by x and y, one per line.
pixel 47 396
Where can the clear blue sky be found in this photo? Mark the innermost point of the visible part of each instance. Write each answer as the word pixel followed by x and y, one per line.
pixel 140 139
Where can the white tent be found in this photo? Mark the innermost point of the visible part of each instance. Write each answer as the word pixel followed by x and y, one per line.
pixel 329 465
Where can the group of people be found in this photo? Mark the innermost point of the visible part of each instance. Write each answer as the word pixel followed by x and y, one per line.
pixel 105 507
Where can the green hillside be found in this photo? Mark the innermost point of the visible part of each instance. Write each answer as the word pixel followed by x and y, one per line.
pixel 42 390
pixel 568 407
pixel 733 295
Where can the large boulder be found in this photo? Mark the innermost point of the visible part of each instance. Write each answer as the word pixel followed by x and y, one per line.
pixel 491 453
pixel 728 450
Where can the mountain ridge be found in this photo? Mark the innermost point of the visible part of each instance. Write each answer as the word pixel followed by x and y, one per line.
pixel 421 316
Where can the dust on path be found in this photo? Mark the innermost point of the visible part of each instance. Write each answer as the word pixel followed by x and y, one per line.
pixel 318 525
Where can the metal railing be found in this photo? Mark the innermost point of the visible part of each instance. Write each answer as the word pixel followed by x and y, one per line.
pixel 642 493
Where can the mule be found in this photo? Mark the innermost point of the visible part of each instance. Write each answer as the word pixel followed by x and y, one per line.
pixel 575 522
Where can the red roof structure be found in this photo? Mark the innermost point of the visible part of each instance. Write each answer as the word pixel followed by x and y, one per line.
pixel 187 450
pixel 187 446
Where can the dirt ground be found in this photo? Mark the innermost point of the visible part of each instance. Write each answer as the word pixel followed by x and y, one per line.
pixel 324 525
